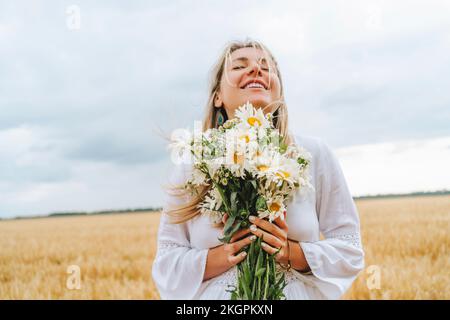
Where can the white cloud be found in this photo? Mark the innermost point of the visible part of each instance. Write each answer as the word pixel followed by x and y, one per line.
pixel 397 167
pixel 36 178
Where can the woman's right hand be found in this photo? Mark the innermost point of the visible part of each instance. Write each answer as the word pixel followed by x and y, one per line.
pixel 237 242
pixel 225 256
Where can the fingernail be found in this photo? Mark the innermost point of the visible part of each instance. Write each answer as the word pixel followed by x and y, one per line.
pixel 253 238
pixel 253 228
pixel 251 218
pixel 263 244
pixel 244 254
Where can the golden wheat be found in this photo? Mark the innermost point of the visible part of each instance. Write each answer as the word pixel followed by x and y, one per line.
pixel 406 241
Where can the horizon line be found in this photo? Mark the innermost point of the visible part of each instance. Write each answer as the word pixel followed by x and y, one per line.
pixel 154 209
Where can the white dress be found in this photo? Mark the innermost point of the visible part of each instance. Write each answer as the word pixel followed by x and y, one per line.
pixel 335 261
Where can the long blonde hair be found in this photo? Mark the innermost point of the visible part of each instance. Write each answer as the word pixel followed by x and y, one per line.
pixel 190 208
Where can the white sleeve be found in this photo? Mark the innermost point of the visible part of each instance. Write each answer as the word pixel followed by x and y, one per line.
pixel 178 268
pixel 335 261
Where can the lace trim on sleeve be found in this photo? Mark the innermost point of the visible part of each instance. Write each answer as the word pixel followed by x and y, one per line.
pixel 353 239
pixel 166 245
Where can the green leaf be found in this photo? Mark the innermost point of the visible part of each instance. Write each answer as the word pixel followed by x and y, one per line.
pixel 243 213
pixel 266 282
pixel 246 271
pixel 250 273
pixel 283 147
pixel 225 239
pixel 233 202
pixel 252 253
pixel 222 195
pixel 260 272
pixel 280 281
pixel 228 224
pixel 259 261
pixel 234 229
pixel 261 204
pixel 247 291
pixel 271 293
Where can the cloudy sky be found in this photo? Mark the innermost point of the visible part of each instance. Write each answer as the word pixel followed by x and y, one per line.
pixel 87 90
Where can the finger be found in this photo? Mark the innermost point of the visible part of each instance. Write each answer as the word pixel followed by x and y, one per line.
pixel 235 259
pixel 224 218
pixel 267 237
pixel 281 221
pixel 238 245
pixel 269 227
pixel 238 235
pixel 271 250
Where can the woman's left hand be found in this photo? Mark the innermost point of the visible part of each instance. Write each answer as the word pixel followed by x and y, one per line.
pixel 274 236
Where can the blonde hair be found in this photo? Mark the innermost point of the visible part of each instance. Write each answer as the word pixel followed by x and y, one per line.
pixel 189 209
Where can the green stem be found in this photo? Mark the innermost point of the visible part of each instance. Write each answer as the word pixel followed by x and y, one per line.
pixel 266 286
pixel 224 199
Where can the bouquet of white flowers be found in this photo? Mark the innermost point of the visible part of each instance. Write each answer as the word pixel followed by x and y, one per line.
pixel 250 171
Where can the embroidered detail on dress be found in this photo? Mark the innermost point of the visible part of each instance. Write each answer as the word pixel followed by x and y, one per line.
pixel 289 276
pixel 166 245
pixel 229 277
pixel 351 238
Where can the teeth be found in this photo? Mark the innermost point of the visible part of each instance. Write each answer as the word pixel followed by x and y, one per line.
pixel 254 85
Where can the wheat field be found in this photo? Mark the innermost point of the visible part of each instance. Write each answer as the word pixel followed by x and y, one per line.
pixel 406 241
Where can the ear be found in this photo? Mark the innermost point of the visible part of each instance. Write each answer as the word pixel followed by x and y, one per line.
pixel 217 100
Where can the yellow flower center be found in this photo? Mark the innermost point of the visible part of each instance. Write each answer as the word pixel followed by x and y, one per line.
pixel 283 174
pixel 274 207
pixel 238 158
pixel 246 137
pixel 262 167
pixel 252 121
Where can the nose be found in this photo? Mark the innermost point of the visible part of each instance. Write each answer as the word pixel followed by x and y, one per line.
pixel 255 68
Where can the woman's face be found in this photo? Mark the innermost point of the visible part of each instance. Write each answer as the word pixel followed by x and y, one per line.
pixel 245 78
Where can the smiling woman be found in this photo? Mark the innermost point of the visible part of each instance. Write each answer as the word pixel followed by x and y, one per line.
pixel 246 72
pixel 192 263
pixel 248 77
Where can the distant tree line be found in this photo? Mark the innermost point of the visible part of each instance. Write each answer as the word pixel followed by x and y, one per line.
pixel 413 194
pixel 86 213
pixel 57 214
pixel 157 209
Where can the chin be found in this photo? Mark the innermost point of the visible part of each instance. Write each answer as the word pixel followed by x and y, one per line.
pixel 258 103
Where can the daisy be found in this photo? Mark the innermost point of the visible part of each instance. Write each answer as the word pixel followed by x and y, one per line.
pixel 251 117
pixel 235 162
pixel 263 164
pixel 285 169
pixel 212 204
pixel 198 177
pixel 275 209
pixel 181 145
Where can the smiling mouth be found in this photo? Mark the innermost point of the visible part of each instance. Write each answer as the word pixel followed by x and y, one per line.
pixel 254 85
